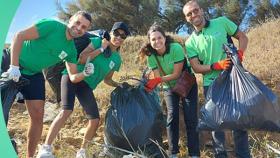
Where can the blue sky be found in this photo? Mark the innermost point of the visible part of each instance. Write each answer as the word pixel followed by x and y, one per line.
pixel 30 11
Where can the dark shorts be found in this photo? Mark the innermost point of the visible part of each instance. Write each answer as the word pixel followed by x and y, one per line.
pixel 35 90
pixel 84 94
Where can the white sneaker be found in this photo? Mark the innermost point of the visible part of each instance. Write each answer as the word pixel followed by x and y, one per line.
pixel 45 152
pixel 173 156
pixel 81 153
pixel 129 156
pixel 105 153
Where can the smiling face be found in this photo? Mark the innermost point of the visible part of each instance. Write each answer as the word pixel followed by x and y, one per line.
pixel 78 25
pixel 117 37
pixel 194 14
pixel 157 41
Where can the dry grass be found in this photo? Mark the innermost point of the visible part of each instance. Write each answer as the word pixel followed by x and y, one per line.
pixel 263 55
pixel 262 58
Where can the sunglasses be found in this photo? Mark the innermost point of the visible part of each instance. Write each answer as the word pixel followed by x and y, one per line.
pixel 121 35
pixel 195 11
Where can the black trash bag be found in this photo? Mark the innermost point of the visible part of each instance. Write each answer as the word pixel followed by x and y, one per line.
pixel 7 95
pixel 101 33
pixel 9 90
pixel 53 73
pixel 6 56
pixel 134 118
pixel 238 100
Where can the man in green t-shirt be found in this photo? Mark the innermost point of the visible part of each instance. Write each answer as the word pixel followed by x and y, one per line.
pixel 44 44
pixel 104 68
pixel 204 49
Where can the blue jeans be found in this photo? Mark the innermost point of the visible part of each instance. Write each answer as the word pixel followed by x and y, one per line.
pixel 190 116
pixel 240 141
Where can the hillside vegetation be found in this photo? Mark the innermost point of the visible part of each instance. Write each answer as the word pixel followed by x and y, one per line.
pixel 262 58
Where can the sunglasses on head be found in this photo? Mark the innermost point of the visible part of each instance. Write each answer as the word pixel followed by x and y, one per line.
pixel 195 11
pixel 121 35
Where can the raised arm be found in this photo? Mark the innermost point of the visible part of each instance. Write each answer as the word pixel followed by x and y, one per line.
pixel 92 52
pixel 27 34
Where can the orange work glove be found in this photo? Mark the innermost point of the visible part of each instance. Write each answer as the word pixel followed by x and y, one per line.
pixel 240 54
pixel 221 65
pixel 152 84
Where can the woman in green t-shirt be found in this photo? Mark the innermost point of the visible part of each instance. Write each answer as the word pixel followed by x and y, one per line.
pixel 166 59
pixel 104 67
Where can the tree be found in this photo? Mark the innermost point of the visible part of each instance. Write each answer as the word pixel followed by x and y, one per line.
pixel 232 10
pixel 265 10
pixel 229 8
pixel 173 18
pixel 139 14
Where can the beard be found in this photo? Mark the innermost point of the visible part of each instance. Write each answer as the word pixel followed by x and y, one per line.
pixel 73 33
pixel 197 22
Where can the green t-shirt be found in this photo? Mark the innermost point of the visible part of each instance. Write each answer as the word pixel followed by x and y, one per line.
pixel 167 61
pixel 102 65
pixel 207 44
pixel 49 48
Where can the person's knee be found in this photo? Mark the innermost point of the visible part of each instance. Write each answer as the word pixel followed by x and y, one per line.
pixel 35 109
pixel 65 113
pixel 37 116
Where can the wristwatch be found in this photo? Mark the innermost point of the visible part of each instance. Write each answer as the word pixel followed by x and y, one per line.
pixel 101 49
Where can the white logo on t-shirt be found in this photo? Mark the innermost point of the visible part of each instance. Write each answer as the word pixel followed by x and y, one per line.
pixel 111 65
pixel 62 55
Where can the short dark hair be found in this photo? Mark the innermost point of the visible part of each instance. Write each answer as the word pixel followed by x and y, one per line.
pixel 84 14
pixel 190 2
